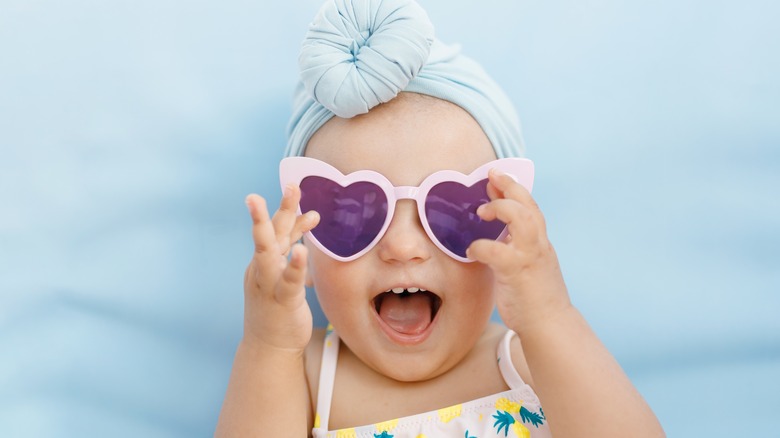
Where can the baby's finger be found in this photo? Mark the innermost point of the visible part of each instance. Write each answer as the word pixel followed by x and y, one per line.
pixel 498 255
pixel 303 224
pixel 503 186
pixel 284 218
pixel 290 289
pixel 262 228
pixel 505 210
pixel 523 224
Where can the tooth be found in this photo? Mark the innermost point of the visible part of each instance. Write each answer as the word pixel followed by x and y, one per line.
pixel 398 290
pixel 413 289
pixel 423 290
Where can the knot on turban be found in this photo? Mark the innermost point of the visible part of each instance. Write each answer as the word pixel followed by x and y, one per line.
pixel 360 53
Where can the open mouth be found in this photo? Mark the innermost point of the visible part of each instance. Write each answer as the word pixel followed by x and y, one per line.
pixel 408 312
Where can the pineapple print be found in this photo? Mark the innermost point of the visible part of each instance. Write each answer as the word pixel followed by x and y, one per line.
pixel 505 419
pixel 520 430
pixel 448 414
pixel 385 428
pixel 346 433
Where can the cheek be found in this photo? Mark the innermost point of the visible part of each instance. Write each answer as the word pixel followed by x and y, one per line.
pixel 478 294
pixel 329 278
pixel 477 274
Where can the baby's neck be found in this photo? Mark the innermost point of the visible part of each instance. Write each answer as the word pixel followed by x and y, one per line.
pixel 363 396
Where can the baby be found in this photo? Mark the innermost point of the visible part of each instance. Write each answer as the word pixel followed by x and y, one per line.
pixel 405 181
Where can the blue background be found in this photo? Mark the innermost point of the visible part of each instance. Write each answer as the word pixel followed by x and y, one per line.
pixel 130 133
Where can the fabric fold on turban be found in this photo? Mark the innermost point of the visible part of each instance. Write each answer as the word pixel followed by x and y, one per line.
pixel 360 53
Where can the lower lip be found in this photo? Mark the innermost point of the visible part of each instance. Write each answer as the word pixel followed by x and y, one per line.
pixel 404 339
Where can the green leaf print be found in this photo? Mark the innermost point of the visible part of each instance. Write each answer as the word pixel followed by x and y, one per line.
pixel 531 417
pixel 503 420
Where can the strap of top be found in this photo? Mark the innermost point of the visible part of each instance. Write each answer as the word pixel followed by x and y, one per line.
pixel 330 355
pixel 505 365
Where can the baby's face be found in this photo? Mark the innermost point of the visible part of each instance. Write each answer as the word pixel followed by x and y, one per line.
pixel 411 336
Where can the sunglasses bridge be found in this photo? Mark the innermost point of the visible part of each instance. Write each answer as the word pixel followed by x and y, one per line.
pixel 405 192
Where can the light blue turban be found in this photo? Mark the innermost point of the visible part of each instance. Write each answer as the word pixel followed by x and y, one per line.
pixel 360 53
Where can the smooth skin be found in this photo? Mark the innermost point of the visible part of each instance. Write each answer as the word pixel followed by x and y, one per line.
pixel 273 385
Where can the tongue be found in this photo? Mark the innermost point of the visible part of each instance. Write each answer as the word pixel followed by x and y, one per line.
pixel 409 314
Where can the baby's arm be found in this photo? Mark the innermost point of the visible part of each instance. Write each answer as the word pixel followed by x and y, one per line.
pixel 580 384
pixel 267 394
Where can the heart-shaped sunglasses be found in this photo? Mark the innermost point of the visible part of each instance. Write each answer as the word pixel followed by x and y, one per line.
pixel 356 209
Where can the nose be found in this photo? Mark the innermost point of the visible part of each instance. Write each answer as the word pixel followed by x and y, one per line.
pixel 405 239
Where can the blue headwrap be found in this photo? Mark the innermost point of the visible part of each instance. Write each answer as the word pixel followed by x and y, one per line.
pixel 360 53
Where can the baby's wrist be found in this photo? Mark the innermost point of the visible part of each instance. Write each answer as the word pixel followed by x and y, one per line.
pixel 255 345
pixel 543 320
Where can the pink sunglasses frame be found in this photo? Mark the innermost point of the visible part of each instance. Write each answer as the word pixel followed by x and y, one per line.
pixel 292 170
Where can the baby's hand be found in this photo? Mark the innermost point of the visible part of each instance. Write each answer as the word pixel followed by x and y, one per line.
pixel 275 310
pixel 529 283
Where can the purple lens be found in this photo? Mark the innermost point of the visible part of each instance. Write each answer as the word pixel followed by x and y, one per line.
pixel 350 217
pixel 451 209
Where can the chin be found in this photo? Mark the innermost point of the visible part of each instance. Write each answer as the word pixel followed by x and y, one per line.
pixel 413 364
pixel 411 371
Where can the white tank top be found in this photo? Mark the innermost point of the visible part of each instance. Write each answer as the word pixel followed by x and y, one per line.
pixel 513 413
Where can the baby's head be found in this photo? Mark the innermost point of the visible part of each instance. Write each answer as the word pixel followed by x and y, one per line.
pixel 358 54
pixel 445 114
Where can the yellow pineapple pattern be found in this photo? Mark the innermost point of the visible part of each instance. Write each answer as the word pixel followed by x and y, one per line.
pixel 448 414
pixel 346 433
pixel 520 430
pixel 387 426
pixel 504 404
